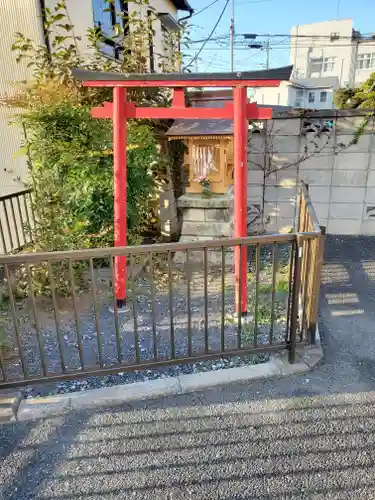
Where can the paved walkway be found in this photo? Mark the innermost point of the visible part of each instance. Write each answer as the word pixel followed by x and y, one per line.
pixel 308 436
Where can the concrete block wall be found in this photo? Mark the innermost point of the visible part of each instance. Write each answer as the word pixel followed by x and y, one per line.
pixel 341 175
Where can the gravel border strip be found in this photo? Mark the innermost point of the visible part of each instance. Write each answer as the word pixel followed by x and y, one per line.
pixel 36 408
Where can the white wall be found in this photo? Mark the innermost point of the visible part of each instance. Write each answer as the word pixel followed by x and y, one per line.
pixel 286 95
pixel 271 95
pixel 363 74
pixel 82 18
pixel 161 7
pixel 342 181
pixel 317 93
pixel 342 50
pixel 15 16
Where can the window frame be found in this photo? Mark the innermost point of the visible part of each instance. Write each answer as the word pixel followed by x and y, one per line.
pixel 106 22
pixel 365 60
pixel 329 64
pixel 316 65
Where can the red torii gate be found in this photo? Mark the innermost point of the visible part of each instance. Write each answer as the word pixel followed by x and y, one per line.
pixel 241 111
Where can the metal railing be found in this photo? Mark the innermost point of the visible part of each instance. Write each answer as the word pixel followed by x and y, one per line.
pixel 181 305
pixel 16 221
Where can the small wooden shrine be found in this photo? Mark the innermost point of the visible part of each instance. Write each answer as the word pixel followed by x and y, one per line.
pixel 209 157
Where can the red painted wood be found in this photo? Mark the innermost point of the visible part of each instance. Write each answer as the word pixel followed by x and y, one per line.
pixel 101 113
pixel 182 83
pixel 253 112
pixel 241 126
pixel 187 113
pixel 119 167
pixel 260 113
pixel 178 100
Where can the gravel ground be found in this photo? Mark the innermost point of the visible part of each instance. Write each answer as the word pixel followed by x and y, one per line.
pixel 141 334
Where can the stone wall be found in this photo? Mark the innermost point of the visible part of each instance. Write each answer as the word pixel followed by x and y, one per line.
pixel 317 149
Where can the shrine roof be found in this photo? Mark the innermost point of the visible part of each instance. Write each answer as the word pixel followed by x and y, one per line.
pixel 209 99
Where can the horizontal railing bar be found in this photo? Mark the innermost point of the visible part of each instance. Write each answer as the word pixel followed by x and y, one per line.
pixel 15 195
pixel 157 248
pixel 145 365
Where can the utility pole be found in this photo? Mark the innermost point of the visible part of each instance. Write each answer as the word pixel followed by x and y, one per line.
pixel 231 35
pixel 267 48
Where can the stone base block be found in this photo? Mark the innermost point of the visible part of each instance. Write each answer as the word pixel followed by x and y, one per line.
pixel 213 258
pixel 204 217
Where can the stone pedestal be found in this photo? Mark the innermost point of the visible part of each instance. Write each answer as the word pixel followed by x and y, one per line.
pixel 205 218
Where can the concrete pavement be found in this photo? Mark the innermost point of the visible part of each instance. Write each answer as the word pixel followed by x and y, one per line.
pixel 305 436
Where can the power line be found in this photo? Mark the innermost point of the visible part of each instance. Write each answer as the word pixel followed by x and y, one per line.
pixel 286 45
pixel 288 35
pixel 279 48
pixel 205 8
pixel 239 5
pixel 209 36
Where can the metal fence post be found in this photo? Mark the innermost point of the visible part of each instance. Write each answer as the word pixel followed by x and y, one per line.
pixel 295 299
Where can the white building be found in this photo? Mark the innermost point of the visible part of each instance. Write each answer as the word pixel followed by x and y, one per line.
pixel 332 48
pixel 25 16
pixel 165 21
pixel 310 93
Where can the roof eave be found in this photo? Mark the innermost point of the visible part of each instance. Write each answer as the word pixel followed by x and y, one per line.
pixel 275 75
pixel 182 5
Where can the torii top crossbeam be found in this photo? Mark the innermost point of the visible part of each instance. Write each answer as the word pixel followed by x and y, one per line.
pixel 240 111
pixel 263 78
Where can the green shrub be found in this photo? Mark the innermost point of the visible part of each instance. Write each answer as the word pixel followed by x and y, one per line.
pixel 72 176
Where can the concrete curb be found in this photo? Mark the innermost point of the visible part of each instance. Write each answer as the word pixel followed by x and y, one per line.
pixel 278 366
pixel 9 404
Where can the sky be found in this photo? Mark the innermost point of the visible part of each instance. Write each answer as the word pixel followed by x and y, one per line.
pixel 265 17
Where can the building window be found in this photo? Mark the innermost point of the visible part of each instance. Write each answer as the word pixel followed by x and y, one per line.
pixel 335 35
pixel 328 64
pixel 366 61
pixel 316 65
pixel 106 18
pixel 299 93
pixel 320 64
pixel 298 104
pixel 105 15
pixel 311 96
pixel 323 96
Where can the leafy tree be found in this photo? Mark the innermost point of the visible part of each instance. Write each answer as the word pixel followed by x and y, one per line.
pixel 360 97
